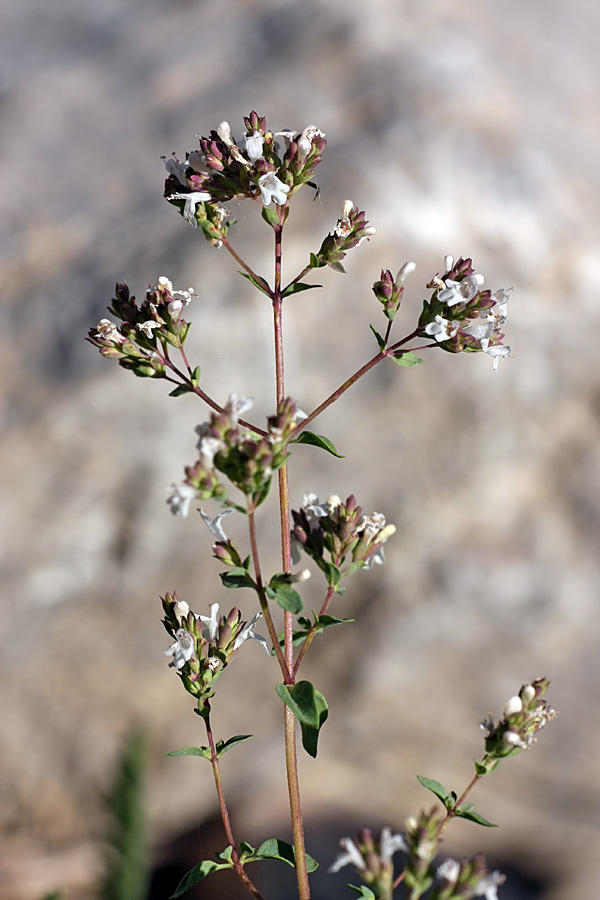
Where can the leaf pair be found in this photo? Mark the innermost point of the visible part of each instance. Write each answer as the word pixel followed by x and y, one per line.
pixel 310 708
pixel 464 811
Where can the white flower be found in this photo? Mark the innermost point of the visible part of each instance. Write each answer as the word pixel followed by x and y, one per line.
pixel 183 649
pixel 488 885
pixel 512 739
pixel 180 498
pixel 305 141
pixel 482 329
pixel 208 447
pixel 237 408
pixel 247 633
pixel 181 610
pixel 513 705
pixel 165 283
pixel 450 868
pixel 313 509
pixel 350 856
pixel 254 146
pixel 461 291
pixel 372 525
pixel 377 557
pixel 214 525
pixel 528 693
pixel 148 327
pixel 501 298
pixel 224 132
pixel 406 269
pixel 441 329
pixel 389 843
pixel 191 201
pixel 496 352
pixel 108 331
pixel 272 189
pixel 210 624
pixel 176 168
pixel 448 262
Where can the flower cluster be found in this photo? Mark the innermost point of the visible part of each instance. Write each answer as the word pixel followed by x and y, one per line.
pixel 462 316
pixel 204 645
pixel 524 716
pixel 140 341
pixel 263 165
pixel 371 858
pixel 343 531
pixel 466 879
pixel 248 460
pixel 351 230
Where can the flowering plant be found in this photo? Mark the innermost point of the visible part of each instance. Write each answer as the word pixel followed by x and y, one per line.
pixel 233 452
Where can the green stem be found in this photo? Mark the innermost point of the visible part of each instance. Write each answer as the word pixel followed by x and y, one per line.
pixel 451 813
pixel 235 856
pixel 291 760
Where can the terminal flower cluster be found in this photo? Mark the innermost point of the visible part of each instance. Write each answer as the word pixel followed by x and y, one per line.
pixel 204 645
pixel 266 166
pixel 140 339
pixel 524 716
pixel 462 316
pixel 341 530
pixel 371 858
pixel 466 879
pixel 351 230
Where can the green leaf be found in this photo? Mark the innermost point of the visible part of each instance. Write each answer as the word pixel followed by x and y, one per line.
pixel 286 597
pixel 270 216
pixel 362 891
pixel 180 390
pixel 327 621
pixel 236 578
pixel 191 751
pixel 299 286
pixel 310 708
pixel 197 874
pixel 195 376
pixel 406 358
pixel 259 283
pixel 273 848
pixel 226 854
pixel 315 263
pixel 480 768
pixel 317 440
pixel 378 338
pixel 434 786
pixel 247 849
pixel 353 567
pixel 463 813
pixel 223 746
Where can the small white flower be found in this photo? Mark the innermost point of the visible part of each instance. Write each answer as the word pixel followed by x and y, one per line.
pixel 165 283
pixel 441 329
pixel 496 352
pixel 407 269
pixel 528 693
pixel 254 146
pixel 148 327
pixel 181 610
pixel 372 525
pixel 224 132
pixel 210 624
pixel 449 869
pixel 481 330
pixel 237 407
pixel 183 649
pixel 377 557
pixel 272 189
pixel 488 885
pixel 448 262
pixel 176 168
pixel 350 856
pixel 501 298
pixel 180 498
pixel 108 331
pixel 389 844
pixel 213 663
pixel 214 525
pixel 313 509
pixel 461 291
pixel 512 739
pixel 247 633
pixel 305 141
pixel 191 201
pixel 513 705
pixel 208 447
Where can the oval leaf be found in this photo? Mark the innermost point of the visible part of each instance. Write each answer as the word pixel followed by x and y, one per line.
pixel 463 813
pixel 286 597
pixel 407 358
pixel 273 848
pixel 434 786
pixel 191 751
pixel 197 874
pixel 317 440
pixel 236 578
pixel 299 286
pixel 310 708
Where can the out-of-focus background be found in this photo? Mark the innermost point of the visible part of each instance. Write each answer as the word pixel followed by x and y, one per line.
pixel 467 128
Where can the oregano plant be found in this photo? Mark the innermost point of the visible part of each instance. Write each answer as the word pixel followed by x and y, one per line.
pixel 239 460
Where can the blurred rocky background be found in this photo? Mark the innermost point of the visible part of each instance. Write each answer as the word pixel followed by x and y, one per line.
pixel 468 128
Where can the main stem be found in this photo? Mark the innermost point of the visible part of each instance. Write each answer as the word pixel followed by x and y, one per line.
pixel 291 759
